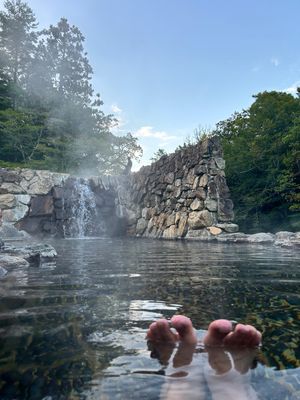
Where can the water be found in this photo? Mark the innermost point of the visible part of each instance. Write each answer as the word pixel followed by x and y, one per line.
pixel 75 330
pixel 80 207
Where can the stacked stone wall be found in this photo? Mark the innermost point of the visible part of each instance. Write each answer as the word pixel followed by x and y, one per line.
pixel 184 194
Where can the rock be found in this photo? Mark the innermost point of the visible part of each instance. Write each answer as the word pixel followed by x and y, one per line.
pixel 27 174
pixel 196 205
pixel 169 178
pixel 33 254
pixel 141 226
pixel 211 204
pixel 261 238
pixel 214 230
pixel 225 210
pixel 7 201
pixel 41 205
pixel 170 220
pixel 9 231
pixel 8 261
pixel 203 180
pixel 238 237
pixel 287 239
pixel 228 227
pixel 182 226
pixel 200 219
pixel 220 162
pixel 200 234
pixel 23 198
pixel 170 232
pixel 15 214
pixel 8 187
pixel 3 271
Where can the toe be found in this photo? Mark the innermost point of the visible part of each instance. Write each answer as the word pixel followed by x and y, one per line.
pixel 217 331
pixel 244 336
pixel 185 329
pixel 160 331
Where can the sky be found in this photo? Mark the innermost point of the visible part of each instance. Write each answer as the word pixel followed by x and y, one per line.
pixel 168 67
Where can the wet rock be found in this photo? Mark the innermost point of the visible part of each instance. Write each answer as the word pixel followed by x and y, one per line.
pixel 200 234
pixel 214 230
pixel 287 239
pixel 7 261
pixel 238 237
pixel 228 227
pixel 34 254
pixel 41 205
pixel 3 271
pixel 261 238
pixel 9 231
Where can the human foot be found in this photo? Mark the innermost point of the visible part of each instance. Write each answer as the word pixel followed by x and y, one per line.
pixel 222 333
pixel 162 340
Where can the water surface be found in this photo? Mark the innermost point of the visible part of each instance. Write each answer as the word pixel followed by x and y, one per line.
pixel 75 329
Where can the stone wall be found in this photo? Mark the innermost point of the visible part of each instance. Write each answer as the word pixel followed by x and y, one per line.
pixel 183 195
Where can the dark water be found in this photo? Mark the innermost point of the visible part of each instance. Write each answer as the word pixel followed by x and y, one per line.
pixel 75 330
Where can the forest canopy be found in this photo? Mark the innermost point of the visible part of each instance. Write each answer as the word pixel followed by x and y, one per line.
pixel 262 152
pixel 50 116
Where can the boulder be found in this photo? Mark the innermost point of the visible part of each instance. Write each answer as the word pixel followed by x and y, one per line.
pixel 200 234
pixel 214 230
pixel 200 219
pixel 8 261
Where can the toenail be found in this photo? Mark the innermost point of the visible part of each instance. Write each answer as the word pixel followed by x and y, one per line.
pixel 234 324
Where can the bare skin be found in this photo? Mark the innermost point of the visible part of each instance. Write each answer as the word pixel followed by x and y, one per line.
pixel 230 352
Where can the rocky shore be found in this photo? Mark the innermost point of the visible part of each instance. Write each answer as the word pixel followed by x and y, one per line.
pixel 14 256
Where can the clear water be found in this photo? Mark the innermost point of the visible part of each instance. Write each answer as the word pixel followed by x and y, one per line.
pixel 76 330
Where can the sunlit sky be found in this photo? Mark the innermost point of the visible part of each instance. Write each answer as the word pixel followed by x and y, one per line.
pixel 164 67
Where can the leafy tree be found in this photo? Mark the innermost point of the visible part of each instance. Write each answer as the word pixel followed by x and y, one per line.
pixel 158 154
pixel 261 148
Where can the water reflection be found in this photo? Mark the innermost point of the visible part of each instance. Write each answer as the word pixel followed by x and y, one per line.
pixel 77 331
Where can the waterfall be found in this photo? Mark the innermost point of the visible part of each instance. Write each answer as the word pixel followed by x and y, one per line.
pixel 81 209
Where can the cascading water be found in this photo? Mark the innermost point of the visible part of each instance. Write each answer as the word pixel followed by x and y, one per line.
pixel 81 209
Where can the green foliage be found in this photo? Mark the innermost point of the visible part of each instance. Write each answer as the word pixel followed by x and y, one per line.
pixel 49 117
pixel 262 148
pixel 158 154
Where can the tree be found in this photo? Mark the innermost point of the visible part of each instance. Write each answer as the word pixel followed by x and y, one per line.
pixel 17 39
pixel 61 48
pixel 261 148
pixel 158 154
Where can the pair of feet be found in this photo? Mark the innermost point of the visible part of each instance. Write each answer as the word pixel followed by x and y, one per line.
pixel 221 339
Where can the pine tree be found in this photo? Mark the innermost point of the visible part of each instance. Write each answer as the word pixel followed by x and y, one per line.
pixel 17 40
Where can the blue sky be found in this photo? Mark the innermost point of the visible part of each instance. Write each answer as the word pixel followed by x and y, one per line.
pixel 167 66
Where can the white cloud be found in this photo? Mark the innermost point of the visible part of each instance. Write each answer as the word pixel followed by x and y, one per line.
pixel 149 132
pixel 116 109
pixel 274 61
pixel 293 88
